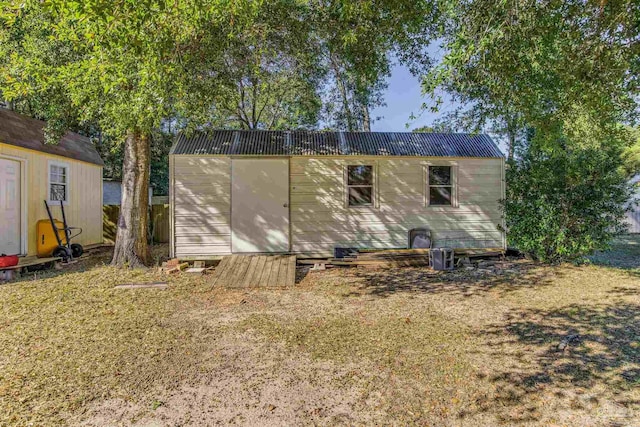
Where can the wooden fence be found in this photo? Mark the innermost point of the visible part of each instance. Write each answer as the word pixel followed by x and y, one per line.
pixel 110 215
pixel 158 224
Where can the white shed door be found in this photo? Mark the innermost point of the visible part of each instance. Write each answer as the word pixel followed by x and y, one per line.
pixel 9 207
pixel 259 205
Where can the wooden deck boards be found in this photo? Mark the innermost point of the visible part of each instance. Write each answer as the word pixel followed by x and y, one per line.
pixel 31 261
pixel 252 271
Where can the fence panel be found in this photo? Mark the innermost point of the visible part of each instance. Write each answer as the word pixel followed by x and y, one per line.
pixel 159 223
pixel 110 214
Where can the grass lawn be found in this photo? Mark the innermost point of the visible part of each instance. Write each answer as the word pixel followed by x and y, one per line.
pixel 345 346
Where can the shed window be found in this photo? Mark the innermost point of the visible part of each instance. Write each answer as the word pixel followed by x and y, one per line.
pixel 58 182
pixel 440 185
pixel 360 185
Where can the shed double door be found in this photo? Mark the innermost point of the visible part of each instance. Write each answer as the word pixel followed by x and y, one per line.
pixel 259 205
pixel 10 214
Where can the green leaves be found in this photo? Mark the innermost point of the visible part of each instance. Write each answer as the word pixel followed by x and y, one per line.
pixel 566 194
pixel 130 65
pixel 541 59
pixel 631 154
pixel 122 64
pixel 568 70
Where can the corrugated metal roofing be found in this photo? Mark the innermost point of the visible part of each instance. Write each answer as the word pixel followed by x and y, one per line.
pixel 309 143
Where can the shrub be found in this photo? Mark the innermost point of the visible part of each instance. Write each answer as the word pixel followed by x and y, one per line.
pixel 566 196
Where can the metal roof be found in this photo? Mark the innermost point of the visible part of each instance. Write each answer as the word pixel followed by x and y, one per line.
pixel 310 143
pixel 25 132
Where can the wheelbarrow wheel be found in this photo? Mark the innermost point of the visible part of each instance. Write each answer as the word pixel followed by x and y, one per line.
pixel 77 250
pixel 62 252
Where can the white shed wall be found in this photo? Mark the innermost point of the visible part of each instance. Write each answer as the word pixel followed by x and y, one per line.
pixel 632 219
pixel 321 219
pixel 319 216
pixel 201 206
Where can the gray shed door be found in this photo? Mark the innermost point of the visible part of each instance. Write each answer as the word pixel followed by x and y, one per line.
pixel 259 205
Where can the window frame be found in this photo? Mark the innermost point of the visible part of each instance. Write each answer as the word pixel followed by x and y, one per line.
pixel 66 184
pixel 454 185
pixel 373 185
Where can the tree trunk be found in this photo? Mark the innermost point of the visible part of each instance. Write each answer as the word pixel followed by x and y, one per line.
pixel 343 94
pixel 131 247
pixel 366 119
pixel 345 105
pixel 512 145
pixel 512 135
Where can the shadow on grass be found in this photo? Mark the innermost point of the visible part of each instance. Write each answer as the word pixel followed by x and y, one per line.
pixel 624 254
pixel 93 258
pixel 601 361
pixel 625 291
pixel 508 277
pixel 301 273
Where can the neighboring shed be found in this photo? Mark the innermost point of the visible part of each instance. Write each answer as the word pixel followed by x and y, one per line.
pixel 112 193
pixel 32 171
pixel 632 217
pixel 308 192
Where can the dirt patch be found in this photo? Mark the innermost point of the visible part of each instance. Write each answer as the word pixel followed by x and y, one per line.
pixel 250 381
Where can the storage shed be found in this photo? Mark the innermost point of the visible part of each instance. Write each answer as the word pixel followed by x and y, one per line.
pixel 112 192
pixel 308 192
pixel 32 172
pixel 632 216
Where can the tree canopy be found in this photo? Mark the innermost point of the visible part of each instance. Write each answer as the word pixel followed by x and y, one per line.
pixel 538 63
pixel 560 80
pixel 124 68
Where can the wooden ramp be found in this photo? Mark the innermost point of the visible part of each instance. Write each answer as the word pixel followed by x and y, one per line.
pixel 252 271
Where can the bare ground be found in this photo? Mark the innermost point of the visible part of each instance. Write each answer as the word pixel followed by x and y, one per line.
pixel 344 347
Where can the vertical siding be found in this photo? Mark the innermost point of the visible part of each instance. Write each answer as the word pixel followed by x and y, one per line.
pixel 320 220
pixel 201 198
pixel 632 219
pixel 85 194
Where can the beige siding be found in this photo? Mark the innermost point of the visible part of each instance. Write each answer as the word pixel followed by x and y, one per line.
pixel 85 194
pixel 201 199
pixel 321 220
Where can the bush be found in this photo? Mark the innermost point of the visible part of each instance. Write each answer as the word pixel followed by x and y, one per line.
pixel 565 199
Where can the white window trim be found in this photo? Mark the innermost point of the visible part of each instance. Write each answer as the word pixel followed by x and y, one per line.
pixel 454 185
pixel 374 185
pixel 68 184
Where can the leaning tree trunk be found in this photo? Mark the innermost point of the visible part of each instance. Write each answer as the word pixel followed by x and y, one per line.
pixel 343 93
pixel 366 119
pixel 131 236
pixel 512 145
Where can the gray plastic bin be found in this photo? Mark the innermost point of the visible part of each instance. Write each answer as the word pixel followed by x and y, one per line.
pixel 441 258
